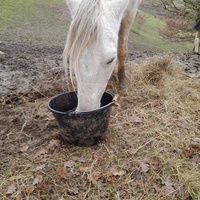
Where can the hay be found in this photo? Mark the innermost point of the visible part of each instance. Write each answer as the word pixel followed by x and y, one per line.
pixel 166 101
pixel 151 151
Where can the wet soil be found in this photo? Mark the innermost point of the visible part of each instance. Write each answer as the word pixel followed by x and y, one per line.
pixel 23 65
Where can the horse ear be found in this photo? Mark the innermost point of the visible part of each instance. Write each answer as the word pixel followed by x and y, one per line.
pixel 72 5
pixel 118 7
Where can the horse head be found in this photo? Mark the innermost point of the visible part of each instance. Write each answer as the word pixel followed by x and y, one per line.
pixel 91 48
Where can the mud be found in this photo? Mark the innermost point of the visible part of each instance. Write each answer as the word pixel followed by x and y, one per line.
pixel 23 65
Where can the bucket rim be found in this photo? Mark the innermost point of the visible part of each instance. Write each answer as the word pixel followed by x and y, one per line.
pixel 75 113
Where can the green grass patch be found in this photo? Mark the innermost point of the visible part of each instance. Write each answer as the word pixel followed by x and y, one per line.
pixel 34 21
pixel 13 13
pixel 148 36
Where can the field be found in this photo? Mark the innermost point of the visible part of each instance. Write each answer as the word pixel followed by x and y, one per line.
pixel 152 147
pixel 148 36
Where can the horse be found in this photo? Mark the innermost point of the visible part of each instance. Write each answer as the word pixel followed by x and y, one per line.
pixel 97 36
pixel 197 37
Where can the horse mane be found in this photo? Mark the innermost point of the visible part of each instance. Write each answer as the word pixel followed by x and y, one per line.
pixel 85 30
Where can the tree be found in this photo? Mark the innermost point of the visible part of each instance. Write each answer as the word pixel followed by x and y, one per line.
pixel 180 18
pixel 184 8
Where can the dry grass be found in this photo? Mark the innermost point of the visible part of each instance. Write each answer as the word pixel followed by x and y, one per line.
pixel 151 150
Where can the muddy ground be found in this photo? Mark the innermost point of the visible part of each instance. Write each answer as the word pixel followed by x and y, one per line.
pixel 23 65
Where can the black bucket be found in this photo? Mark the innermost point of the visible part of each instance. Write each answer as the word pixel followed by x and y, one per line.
pixel 81 128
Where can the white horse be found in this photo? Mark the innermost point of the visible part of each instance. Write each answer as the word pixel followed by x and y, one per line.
pixel 97 36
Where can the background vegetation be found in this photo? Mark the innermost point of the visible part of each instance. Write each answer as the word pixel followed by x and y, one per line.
pixel 46 23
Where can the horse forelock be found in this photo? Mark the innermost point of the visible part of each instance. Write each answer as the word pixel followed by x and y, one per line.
pixel 85 30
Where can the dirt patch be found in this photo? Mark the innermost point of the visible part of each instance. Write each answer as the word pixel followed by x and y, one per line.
pixel 189 61
pixel 22 66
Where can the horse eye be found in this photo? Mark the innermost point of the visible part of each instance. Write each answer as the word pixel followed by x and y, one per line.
pixel 110 61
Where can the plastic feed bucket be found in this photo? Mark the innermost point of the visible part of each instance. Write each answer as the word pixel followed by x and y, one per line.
pixel 81 128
